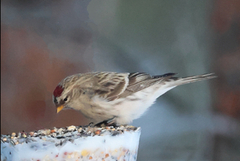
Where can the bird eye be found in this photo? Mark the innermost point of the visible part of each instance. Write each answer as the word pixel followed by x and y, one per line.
pixel 65 99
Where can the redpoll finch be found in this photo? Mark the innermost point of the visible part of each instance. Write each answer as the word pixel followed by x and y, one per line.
pixel 123 96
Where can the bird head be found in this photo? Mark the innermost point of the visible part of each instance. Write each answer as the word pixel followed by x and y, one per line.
pixel 67 91
pixel 61 97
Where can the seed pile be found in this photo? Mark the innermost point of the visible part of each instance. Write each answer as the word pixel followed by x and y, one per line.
pixel 64 134
pixel 73 143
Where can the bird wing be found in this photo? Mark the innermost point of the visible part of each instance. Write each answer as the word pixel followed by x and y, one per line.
pixel 110 84
pixel 139 81
pixel 120 85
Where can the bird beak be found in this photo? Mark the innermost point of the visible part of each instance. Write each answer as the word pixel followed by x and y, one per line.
pixel 60 108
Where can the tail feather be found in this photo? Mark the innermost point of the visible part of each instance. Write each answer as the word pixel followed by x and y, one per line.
pixel 191 79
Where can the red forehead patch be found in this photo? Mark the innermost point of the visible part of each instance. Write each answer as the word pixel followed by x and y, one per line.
pixel 58 91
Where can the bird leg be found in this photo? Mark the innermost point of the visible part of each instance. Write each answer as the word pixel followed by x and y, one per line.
pixel 91 124
pixel 109 122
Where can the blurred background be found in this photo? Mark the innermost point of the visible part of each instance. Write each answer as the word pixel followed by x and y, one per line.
pixel 42 42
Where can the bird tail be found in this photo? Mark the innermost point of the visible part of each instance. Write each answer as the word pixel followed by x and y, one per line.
pixel 191 79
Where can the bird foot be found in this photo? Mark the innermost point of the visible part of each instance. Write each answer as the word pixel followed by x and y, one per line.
pixel 109 122
pixel 91 124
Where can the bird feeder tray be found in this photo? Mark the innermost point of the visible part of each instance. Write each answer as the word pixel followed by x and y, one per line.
pixel 73 143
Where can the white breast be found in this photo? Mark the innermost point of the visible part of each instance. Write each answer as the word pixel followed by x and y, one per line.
pixel 133 106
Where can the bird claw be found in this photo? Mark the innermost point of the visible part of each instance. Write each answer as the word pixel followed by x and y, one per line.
pixel 91 124
pixel 109 122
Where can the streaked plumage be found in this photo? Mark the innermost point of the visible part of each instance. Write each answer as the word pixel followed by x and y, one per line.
pixel 125 96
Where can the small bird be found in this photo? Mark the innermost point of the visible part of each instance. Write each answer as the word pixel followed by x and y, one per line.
pixel 119 97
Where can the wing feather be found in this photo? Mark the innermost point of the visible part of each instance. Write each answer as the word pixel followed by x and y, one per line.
pixel 114 83
pixel 140 81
